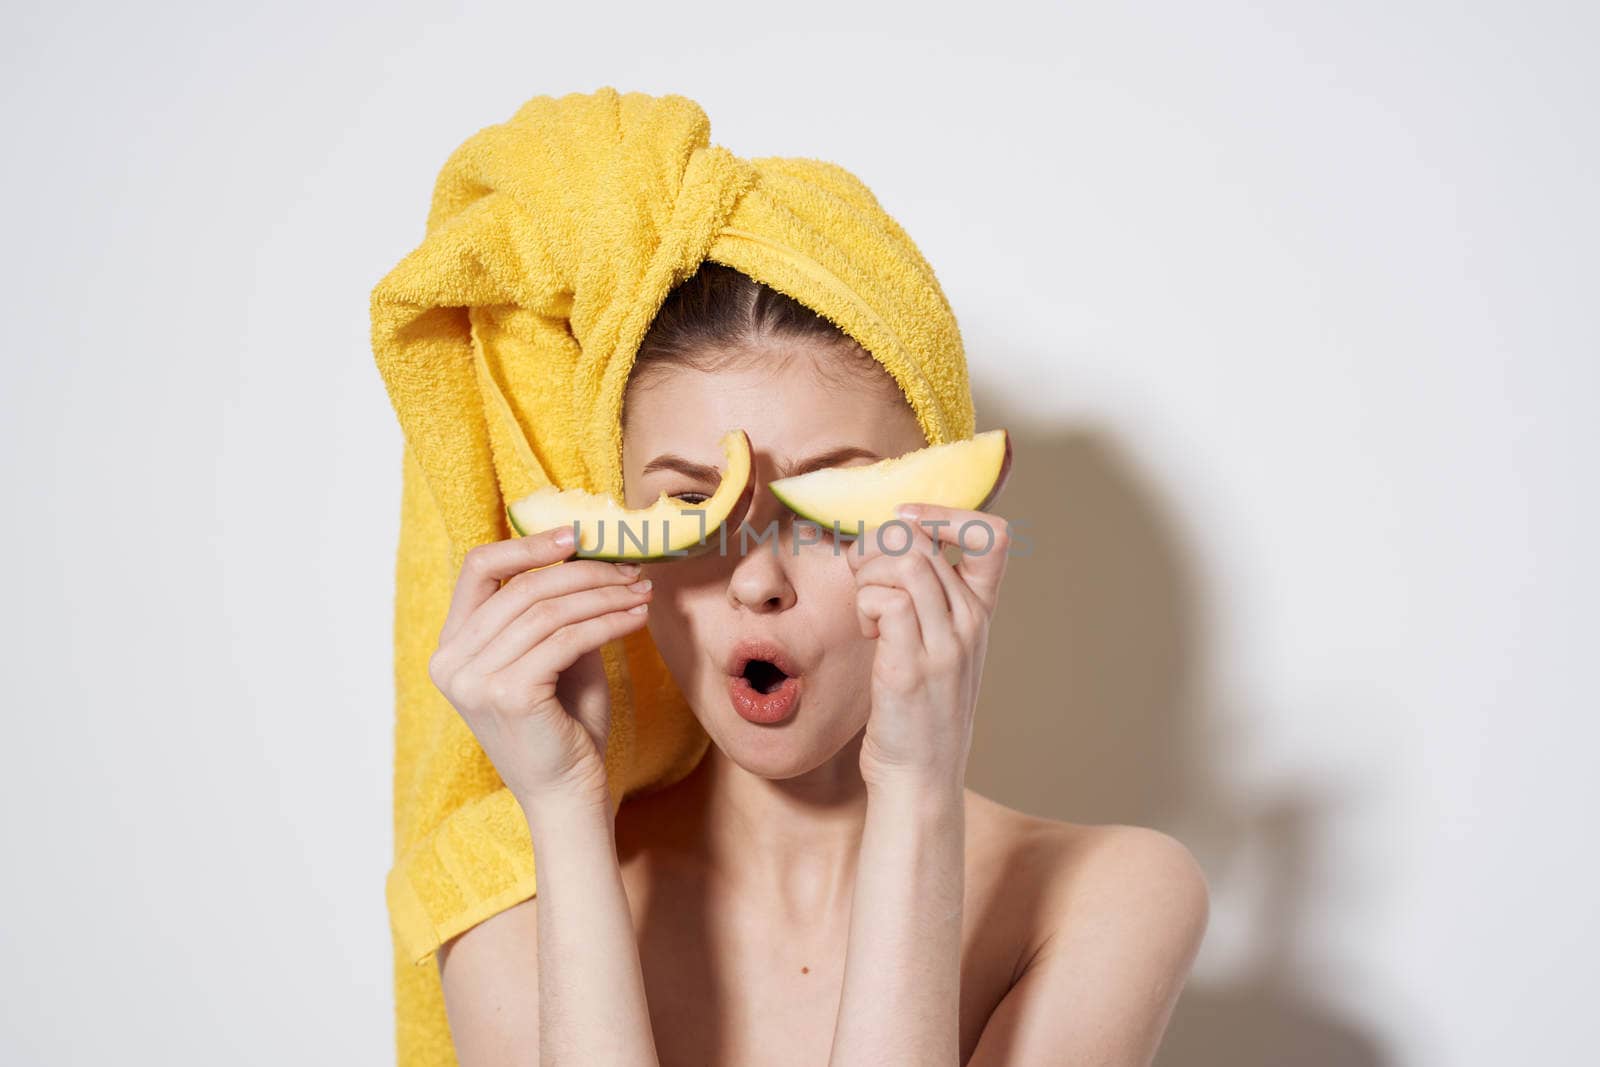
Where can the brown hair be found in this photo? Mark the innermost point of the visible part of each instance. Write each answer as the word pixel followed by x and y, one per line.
pixel 720 316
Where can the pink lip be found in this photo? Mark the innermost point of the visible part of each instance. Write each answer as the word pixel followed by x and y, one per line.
pixel 761 648
pixel 764 708
pixel 752 704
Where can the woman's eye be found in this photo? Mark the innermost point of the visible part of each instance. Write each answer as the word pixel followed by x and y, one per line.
pixel 690 498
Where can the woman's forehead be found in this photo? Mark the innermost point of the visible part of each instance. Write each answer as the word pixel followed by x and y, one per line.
pixel 787 409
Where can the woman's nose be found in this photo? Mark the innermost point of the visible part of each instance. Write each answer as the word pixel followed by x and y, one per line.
pixel 760 580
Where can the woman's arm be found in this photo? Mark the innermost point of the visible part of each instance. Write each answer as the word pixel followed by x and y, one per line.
pixel 519 658
pixel 900 1002
pixel 592 1005
pixel 555 980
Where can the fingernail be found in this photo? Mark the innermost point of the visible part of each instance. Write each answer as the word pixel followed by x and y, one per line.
pixel 629 570
pixel 641 586
pixel 639 609
pixel 563 537
pixel 907 511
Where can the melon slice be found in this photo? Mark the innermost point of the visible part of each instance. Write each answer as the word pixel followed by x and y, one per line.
pixel 669 528
pixel 967 474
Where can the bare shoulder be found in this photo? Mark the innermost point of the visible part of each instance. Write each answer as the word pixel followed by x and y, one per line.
pixel 1111 920
pixel 1111 878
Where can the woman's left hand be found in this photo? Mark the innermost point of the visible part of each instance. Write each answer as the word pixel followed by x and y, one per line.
pixel 931 620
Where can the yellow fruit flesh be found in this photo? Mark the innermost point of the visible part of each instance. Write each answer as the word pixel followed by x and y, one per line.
pixel 667 528
pixel 961 474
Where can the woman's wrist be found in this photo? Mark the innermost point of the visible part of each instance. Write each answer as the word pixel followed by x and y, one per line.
pixel 920 795
pixel 557 811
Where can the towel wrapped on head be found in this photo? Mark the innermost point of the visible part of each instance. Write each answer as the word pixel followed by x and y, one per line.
pixel 505 342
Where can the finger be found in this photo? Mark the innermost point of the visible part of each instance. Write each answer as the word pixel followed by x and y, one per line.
pixel 891 538
pixel 913 572
pixel 965 609
pixel 567 645
pixel 860 549
pixel 962 603
pixel 545 617
pixel 984 539
pixel 892 614
pixel 485 566
pixel 518 594
pixel 865 622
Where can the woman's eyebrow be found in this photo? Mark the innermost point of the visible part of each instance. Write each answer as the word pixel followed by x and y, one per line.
pixel 669 461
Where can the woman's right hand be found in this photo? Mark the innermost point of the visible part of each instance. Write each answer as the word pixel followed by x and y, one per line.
pixel 521 661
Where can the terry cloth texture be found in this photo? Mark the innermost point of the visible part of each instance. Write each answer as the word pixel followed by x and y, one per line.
pixel 505 340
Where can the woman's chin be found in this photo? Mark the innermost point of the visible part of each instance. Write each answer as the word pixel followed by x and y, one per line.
pixel 787 751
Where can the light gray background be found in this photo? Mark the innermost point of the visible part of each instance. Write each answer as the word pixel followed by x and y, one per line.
pixel 1291 307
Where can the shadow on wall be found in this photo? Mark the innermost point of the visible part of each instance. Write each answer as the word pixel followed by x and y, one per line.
pixel 1095 709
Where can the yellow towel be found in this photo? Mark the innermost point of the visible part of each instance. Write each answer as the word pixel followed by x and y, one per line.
pixel 504 341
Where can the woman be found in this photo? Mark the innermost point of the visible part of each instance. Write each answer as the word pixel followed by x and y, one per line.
pixel 821 889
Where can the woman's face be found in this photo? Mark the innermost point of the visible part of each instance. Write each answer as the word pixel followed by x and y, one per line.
pixel 803 599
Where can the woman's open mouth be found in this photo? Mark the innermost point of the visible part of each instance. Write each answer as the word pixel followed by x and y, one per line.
pixel 763 691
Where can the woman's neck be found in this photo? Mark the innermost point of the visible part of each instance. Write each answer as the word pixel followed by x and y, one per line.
pixel 792 842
